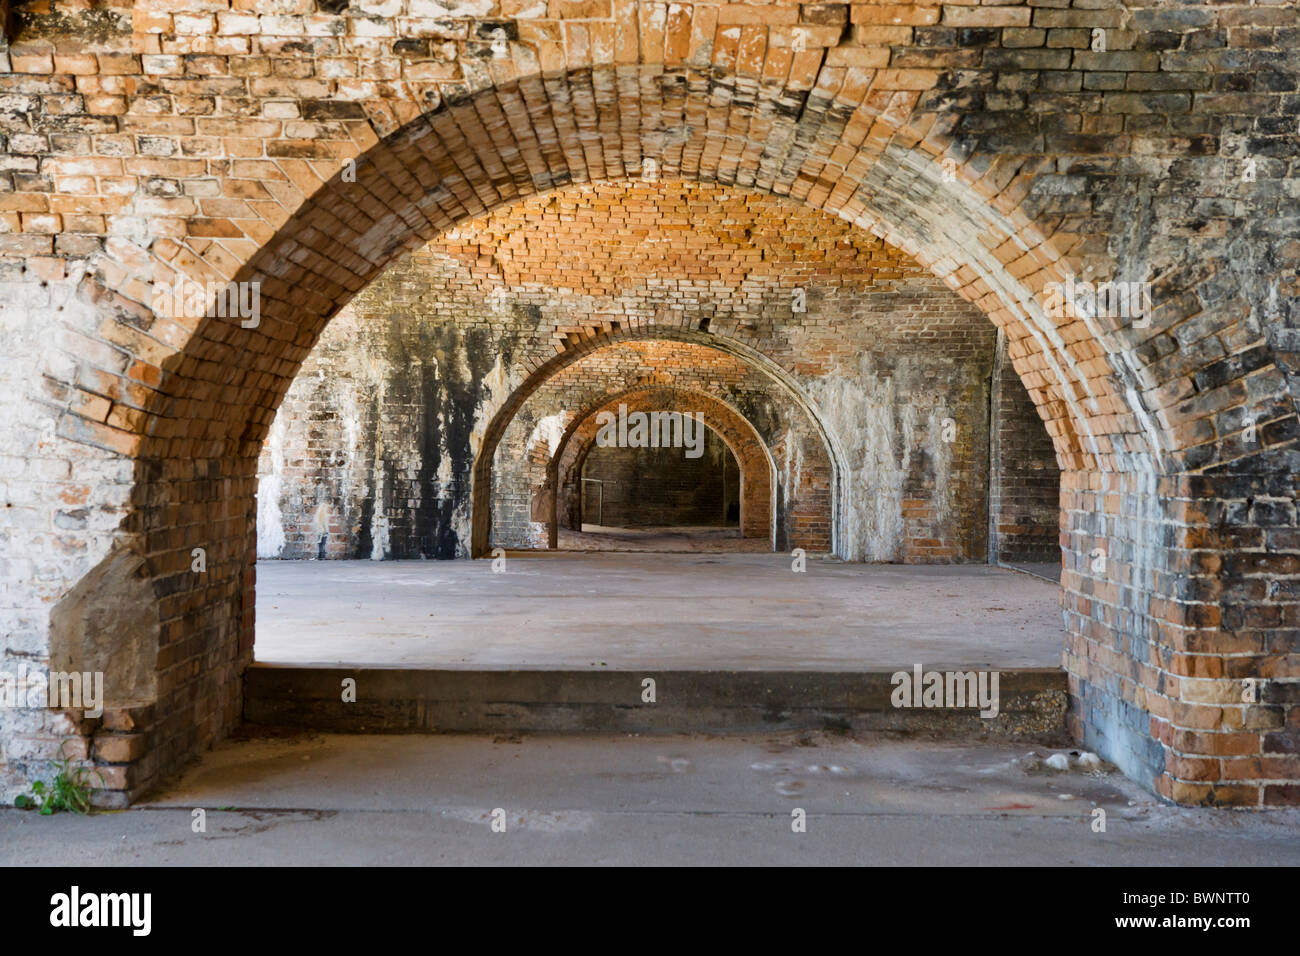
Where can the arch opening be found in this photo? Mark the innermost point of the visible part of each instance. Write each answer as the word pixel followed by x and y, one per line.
pixel 536 426
pixel 195 437
pixel 752 491
pixel 657 496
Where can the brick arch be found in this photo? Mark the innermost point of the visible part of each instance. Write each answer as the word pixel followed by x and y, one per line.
pixel 757 471
pixel 427 176
pixel 581 348
pixel 1132 414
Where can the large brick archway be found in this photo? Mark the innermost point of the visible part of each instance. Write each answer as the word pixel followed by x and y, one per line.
pixel 1176 440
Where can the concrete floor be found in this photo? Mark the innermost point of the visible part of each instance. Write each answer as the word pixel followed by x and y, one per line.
pixel 698 540
pixel 681 800
pixel 666 611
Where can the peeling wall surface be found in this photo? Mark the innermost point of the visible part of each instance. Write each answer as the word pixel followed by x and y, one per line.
pixel 885 374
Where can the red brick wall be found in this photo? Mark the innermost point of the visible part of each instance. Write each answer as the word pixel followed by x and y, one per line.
pixel 1024 478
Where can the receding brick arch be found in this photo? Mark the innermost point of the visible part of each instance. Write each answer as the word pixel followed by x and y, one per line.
pixel 830 474
pixel 1155 455
pixel 757 471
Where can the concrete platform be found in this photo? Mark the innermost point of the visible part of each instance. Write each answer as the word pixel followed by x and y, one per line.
pixel 671 612
pixel 564 642
pixel 323 800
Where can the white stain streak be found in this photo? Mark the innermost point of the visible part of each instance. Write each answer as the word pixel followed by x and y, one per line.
pixel 551 430
pixel 379 542
pixel 791 464
pixel 497 385
pixel 270 521
pixel 865 414
pixel 941 460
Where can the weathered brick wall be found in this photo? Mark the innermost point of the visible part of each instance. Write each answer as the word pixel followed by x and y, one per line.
pixel 307 146
pixel 371 454
pixel 1024 478
pixel 661 486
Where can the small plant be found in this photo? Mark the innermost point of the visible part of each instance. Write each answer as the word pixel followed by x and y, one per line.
pixel 70 789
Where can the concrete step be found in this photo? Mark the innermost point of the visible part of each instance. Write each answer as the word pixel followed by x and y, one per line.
pixel 1031 701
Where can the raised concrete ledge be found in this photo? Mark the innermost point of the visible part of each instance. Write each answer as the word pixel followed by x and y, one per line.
pixel 1032 701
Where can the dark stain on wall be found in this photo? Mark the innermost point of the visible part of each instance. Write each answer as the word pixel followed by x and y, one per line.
pixel 436 383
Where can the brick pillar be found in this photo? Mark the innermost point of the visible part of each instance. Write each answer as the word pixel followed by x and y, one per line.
pixel 1182 598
